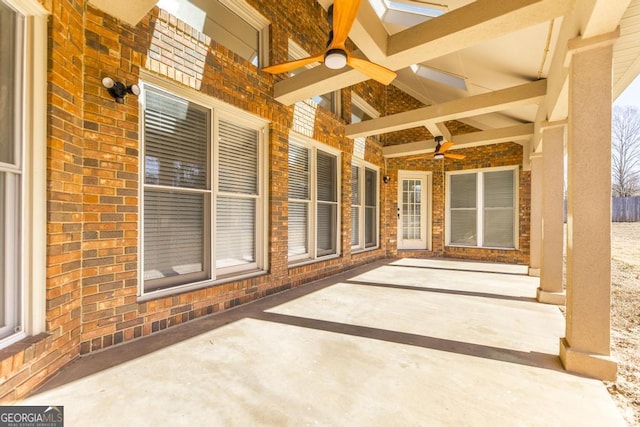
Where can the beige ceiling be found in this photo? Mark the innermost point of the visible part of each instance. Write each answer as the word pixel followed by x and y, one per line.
pixel 494 45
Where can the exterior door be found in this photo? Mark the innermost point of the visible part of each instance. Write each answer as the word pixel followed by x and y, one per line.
pixel 413 209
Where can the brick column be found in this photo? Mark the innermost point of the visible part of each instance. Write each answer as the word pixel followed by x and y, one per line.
pixel 536 214
pixel 586 347
pixel 550 290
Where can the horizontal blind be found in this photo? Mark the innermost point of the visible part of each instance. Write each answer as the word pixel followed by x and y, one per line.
pixel 326 228
pixel 235 231
pixel 238 158
pixel 371 209
pixel 463 215
pixel 499 203
pixel 299 166
pixel 326 177
pixel 174 233
pixel 298 226
pixel 176 140
pixel 355 205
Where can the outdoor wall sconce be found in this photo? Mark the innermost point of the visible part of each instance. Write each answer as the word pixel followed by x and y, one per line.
pixel 386 179
pixel 118 90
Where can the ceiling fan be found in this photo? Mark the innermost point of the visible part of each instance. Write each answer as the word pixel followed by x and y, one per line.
pixel 341 17
pixel 441 151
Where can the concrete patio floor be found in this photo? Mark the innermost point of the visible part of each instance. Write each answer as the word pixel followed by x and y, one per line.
pixel 397 343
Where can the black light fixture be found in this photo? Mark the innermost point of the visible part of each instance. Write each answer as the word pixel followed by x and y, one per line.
pixel 118 90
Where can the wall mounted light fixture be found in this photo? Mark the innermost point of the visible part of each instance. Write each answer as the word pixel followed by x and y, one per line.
pixel 118 90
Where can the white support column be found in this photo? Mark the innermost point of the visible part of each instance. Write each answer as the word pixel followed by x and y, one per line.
pixel 535 233
pixel 550 290
pixel 586 346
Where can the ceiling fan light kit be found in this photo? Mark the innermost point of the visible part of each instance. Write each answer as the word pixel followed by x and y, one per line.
pixel 335 59
pixel 341 16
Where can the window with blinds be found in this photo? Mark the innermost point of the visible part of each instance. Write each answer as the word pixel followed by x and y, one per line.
pixel 313 202
pixel 482 209
pixel 364 207
pixel 192 231
pixel 11 145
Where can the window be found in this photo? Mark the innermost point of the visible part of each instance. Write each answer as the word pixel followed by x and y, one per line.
pixel 364 207
pixel 329 101
pixel 232 23
pixel 361 110
pixel 482 208
pixel 203 200
pixel 22 168
pixel 313 200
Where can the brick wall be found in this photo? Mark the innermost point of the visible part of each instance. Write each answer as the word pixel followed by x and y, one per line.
pixel 93 176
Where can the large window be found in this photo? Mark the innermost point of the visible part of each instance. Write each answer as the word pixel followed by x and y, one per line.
pixel 203 198
pixel 232 23
pixel 22 168
pixel 482 208
pixel 313 200
pixel 364 207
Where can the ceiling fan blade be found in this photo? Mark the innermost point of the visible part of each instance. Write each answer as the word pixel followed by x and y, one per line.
pixel 455 156
pixel 446 146
pixel 344 13
pixel 374 71
pixel 292 65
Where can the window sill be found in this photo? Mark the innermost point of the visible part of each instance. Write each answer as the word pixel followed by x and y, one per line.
pixel 360 251
pixel 200 285
pixel 493 248
pixel 303 262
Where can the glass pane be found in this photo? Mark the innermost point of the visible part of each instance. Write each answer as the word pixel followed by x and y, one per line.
pixel 327 220
pixel 174 233
pixel 298 226
pixel 3 255
pixel 235 232
pixel 176 137
pixel 231 31
pixel 238 159
pixel 498 228
pixel 370 187
pixel 355 185
pixel 498 189
pixel 9 83
pixel 411 209
pixel 298 172
pixel 463 191
pixel 358 115
pixel 325 101
pixel 327 176
pixel 370 227
pixel 463 227
pixel 355 226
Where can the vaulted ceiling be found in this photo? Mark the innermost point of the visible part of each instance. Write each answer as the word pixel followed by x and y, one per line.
pixel 500 66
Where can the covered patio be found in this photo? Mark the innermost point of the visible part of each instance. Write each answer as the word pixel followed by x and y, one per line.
pixel 403 342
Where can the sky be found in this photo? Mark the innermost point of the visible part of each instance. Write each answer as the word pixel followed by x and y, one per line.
pixel 631 95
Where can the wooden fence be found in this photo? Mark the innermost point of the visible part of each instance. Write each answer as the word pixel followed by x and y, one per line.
pixel 625 209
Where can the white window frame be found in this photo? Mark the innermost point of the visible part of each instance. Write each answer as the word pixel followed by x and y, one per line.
pixel 362 167
pixel 297 52
pixel 364 106
pixel 27 222
pixel 314 147
pixel 480 206
pixel 254 18
pixel 219 111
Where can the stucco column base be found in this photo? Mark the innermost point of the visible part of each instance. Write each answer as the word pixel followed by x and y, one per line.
pixel 593 365
pixel 534 272
pixel 548 297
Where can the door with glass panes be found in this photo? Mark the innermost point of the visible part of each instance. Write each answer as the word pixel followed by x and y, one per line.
pixel 413 210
